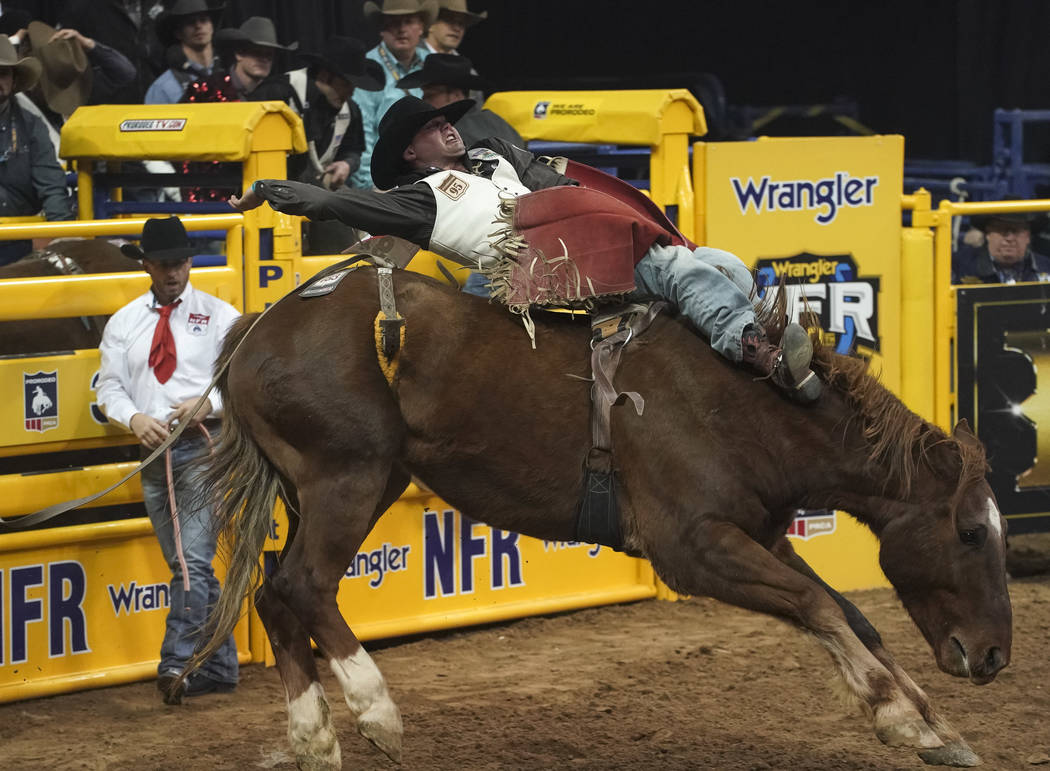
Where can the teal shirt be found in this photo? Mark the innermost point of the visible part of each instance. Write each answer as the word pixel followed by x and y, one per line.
pixel 374 104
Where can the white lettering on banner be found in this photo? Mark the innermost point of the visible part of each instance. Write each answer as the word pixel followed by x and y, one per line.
pixel 60 605
pixel 135 598
pixel 153 124
pixel 559 545
pixel 387 558
pixel 441 548
pixel 827 195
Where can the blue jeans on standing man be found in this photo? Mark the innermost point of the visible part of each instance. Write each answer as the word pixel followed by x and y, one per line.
pixel 188 610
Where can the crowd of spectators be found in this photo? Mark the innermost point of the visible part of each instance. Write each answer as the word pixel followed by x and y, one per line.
pixel 130 51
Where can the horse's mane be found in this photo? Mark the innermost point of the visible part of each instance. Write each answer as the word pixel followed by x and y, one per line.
pixel 898 439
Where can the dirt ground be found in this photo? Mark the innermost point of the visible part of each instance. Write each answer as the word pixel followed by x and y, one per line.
pixel 653 685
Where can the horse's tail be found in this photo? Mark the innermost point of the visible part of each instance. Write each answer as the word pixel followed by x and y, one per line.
pixel 242 486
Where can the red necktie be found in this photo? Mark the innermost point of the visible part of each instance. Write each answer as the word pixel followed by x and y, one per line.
pixel 162 350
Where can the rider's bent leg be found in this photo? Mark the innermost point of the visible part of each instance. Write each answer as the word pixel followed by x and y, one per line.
pixel 715 290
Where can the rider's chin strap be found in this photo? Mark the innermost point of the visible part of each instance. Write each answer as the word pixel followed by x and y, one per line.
pixel 389 327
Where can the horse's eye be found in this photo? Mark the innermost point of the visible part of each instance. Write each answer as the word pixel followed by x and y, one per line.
pixel 973 536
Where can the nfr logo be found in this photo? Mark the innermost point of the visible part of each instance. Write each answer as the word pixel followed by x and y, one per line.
pixel 26 599
pixel 828 286
pixel 441 548
pixel 41 400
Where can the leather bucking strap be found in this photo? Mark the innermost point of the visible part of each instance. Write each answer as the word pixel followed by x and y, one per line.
pixel 389 327
pixel 598 517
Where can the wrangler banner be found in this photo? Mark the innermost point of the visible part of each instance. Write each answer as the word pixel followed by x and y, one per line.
pixel 824 215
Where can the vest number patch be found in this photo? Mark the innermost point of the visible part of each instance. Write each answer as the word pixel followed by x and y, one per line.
pixel 453 187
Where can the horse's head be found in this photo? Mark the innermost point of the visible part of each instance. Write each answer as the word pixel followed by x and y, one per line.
pixel 944 552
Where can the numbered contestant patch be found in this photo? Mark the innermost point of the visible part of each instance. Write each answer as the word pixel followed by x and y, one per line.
pixel 41 400
pixel 453 187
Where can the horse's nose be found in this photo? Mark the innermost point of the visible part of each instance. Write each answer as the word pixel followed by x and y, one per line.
pixel 993 661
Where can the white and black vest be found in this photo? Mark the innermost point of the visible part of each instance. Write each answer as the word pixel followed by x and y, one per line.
pixel 469 205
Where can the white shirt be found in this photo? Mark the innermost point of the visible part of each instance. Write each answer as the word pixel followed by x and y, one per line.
pixel 127 384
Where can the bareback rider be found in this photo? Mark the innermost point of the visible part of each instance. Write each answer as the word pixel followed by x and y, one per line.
pixel 451 201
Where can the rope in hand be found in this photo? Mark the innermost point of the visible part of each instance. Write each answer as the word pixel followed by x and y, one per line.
pixel 179 553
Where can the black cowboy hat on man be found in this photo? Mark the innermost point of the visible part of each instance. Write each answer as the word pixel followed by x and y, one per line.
pixel 345 57
pixel 164 240
pixel 398 127
pixel 183 10
pixel 445 70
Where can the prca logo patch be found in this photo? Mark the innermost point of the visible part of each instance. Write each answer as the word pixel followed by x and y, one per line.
pixel 41 400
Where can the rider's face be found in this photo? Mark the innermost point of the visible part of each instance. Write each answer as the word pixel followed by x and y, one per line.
pixel 435 144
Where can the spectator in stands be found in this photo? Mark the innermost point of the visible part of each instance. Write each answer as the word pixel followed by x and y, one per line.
pixel 186 30
pixel 1006 256
pixel 492 205
pixel 401 26
pixel 157 357
pixel 249 51
pixel 30 177
pixel 448 31
pixel 332 119
pixel 448 78
pixel 129 27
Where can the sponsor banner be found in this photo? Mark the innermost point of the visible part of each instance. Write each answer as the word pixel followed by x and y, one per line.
pixel 425 566
pixel 77 613
pixel 40 402
pixel 1003 392
pixel 153 124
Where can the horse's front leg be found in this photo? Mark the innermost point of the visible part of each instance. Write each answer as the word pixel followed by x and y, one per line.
pixel 717 559
pixel 955 752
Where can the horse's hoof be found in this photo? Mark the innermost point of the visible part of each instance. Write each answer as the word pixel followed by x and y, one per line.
pixel 314 763
pixel 381 725
pixel 956 754
pixel 897 728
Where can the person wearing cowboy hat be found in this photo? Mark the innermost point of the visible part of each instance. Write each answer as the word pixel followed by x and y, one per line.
pixel 248 52
pixel 450 27
pixel 331 119
pixel 447 78
pixel 1006 256
pixel 498 209
pixel 186 30
pixel 401 25
pixel 31 179
pixel 157 355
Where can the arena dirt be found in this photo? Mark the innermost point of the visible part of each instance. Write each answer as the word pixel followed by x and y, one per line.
pixel 653 685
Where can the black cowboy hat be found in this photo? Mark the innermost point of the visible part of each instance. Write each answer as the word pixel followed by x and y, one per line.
pixel 170 20
pixel 345 57
pixel 1033 220
pixel 445 70
pixel 397 128
pixel 163 240
pixel 256 31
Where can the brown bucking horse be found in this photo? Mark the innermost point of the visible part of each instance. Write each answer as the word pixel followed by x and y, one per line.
pixel 711 476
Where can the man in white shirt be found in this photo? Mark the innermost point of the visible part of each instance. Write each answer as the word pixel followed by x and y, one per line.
pixel 158 352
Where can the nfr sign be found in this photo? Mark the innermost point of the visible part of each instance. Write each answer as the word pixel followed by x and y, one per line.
pixel 27 599
pixel 443 552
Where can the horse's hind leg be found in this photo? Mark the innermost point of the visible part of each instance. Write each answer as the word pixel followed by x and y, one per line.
pixel 955 752
pixel 337 511
pixel 310 730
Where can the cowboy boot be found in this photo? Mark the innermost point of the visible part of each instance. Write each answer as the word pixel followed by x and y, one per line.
pixel 787 365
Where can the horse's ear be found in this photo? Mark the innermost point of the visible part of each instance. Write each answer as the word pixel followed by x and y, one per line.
pixel 964 434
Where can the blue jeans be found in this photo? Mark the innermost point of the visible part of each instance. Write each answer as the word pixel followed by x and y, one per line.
pixel 713 288
pixel 188 610
pixel 477 284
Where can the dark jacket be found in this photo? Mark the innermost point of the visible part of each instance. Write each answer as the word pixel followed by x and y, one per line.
pixel 974 265
pixel 319 122
pixel 30 177
pixel 481 124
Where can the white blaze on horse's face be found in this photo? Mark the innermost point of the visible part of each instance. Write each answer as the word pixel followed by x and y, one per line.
pixel 995 520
